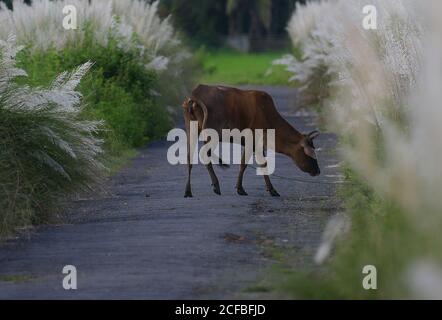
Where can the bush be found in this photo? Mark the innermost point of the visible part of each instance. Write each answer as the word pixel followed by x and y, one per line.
pixel 384 102
pixel 118 89
pixel 136 54
pixel 47 148
pixel 139 75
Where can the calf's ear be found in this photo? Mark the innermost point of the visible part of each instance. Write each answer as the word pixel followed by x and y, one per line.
pixel 309 150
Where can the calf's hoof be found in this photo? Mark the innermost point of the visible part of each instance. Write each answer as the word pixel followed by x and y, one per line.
pixel 216 189
pixel 241 191
pixel 188 194
pixel 274 193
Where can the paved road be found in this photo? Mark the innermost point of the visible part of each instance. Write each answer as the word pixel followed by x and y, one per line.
pixel 143 239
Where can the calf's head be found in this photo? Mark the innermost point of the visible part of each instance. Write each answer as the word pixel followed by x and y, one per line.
pixel 304 154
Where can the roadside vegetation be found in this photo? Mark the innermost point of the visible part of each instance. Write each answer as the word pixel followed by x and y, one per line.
pixel 380 91
pixel 61 136
pixel 47 148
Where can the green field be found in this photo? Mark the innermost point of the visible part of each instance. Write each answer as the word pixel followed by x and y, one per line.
pixel 235 68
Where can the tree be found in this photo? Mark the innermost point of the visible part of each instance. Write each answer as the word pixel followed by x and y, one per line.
pixel 201 20
pixel 249 16
pixel 210 22
pixel 9 2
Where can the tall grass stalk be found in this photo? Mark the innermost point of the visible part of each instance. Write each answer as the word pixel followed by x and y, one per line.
pixel 383 99
pixel 46 149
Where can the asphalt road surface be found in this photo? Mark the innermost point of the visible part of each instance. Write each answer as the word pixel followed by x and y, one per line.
pixel 141 239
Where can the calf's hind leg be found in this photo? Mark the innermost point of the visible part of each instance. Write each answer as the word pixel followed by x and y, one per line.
pixel 188 192
pixel 213 177
pixel 239 188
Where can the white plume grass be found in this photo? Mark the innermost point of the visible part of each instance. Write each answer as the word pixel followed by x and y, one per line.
pixel 47 150
pixel 383 96
pixel 135 24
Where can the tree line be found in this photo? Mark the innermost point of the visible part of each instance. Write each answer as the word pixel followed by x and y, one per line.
pixel 210 22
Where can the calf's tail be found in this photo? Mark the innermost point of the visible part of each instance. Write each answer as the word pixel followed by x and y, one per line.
pixel 198 103
pixel 194 103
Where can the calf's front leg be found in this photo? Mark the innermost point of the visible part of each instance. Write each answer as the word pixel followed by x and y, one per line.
pixel 270 187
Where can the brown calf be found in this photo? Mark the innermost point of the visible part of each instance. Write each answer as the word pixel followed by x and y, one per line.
pixel 219 107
